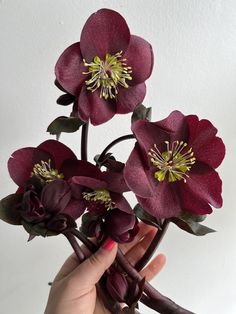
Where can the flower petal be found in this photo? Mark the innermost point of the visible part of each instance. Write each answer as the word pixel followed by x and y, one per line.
pixel 92 106
pixel 21 162
pixel 202 138
pixel 104 32
pixel 121 202
pixel 75 208
pixel 139 56
pixel 135 175
pixel 164 203
pixel 89 182
pixel 129 98
pixel 192 203
pixel 55 196
pixel 73 167
pixel 69 69
pixel 115 181
pixel 58 151
pixel 205 183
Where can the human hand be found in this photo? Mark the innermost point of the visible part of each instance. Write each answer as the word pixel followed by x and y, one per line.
pixel 73 290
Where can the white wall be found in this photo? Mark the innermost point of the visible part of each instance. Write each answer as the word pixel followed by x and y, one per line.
pixel 195 71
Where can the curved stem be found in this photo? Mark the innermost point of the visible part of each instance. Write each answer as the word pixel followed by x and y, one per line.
pixel 152 247
pixel 118 140
pixel 79 253
pixel 160 303
pixel 84 141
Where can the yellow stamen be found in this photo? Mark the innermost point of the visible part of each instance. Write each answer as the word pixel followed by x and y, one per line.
pixel 174 163
pixel 108 74
pixel 45 172
pixel 99 195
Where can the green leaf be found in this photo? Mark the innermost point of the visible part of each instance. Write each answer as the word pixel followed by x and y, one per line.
pixel 191 226
pixel 64 124
pixel 146 217
pixel 193 217
pixel 9 209
pixel 37 229
pixel 89 224
pixel 141 113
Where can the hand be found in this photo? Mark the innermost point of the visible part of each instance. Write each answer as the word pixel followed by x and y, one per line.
pixel 73 290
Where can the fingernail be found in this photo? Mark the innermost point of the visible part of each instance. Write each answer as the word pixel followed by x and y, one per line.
pixel 108 244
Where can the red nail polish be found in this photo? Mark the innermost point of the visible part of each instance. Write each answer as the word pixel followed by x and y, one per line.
pixel 108 244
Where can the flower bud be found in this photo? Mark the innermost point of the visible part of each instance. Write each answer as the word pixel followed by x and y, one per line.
pixel 120 226
pixel 117 286
pixel 32 209
pixel 60 223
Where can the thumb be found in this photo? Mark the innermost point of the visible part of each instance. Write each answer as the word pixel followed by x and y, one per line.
pixel 91 270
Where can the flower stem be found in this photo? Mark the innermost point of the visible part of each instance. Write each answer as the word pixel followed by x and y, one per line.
pixel 159 302
pixel 152 247
pixel 118 140
pixel 84 141
pixel 79 253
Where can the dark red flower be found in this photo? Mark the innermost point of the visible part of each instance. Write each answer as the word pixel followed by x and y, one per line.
pixel 107 69
pixel 99 190
pixel 174 161
pixel 117 286
pixel 46 162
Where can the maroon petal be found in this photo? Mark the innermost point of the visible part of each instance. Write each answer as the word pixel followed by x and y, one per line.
pixel 89 182
pixel 115 181
pixel 206 146
pixel 139 56
pixel 21 162
pixel 104 32
pixel 164 203
pixel 135 175
pixel 147 134
pixel 92 106
pixel 58 151
pixel 121 202
pixel 75 208
pixel 205 183
pixel 192 203
pixel 55 196
pixel 71 168
pixel 69 69
pixel 129 98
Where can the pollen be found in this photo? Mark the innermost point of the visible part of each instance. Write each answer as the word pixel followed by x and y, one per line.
pixel 107 75
pixel 99 195
pixel 45 172
pixel 174 163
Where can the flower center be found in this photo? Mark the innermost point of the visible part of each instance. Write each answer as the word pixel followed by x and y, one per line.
pixel 108 74
pixel 101 196
pixel 45 172
pixel 174 163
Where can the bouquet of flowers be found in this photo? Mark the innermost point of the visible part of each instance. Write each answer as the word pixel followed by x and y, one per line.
pixel 171 169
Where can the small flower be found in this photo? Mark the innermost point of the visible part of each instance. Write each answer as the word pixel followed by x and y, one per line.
pixel 106 71
pixel 117 286
pixel 175 161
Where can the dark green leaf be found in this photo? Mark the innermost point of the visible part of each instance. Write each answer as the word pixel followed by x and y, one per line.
pixel 193 217
pixel 191 226
pixel 64 124
pixel 146 217
pixel 9 209
pixel 37 229
pixel 89 224
pixel 141 113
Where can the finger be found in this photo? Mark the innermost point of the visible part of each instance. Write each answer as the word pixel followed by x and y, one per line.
pixel 143 230
pixel 70 264
pixel 154 267
pixel 139 249
pixel 91 270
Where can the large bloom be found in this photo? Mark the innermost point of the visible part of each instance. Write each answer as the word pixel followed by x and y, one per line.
pixel 107 69
pixel 174 161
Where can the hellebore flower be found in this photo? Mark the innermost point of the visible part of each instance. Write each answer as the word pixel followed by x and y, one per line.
pixel 117 285
pixel 99 190
pixel 106 71
pixel 46 162
pixel 120 226
pixel 174 161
